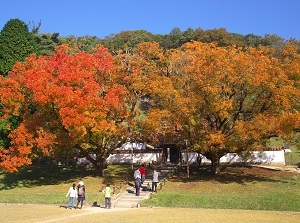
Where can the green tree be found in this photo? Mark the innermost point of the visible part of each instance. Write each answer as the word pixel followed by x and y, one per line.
pixel 177 37
pixel 252 40
pixel 273 41
pixel 16 44
pixel 46 43
pixel 219 36
pixel 81 44
pixel 127 38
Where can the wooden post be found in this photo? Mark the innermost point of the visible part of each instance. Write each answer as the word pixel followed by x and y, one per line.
pixel 187 159
pixel 132 159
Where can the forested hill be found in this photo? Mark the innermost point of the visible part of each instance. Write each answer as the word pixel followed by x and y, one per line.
pixel 176 38
pixel 130 38
pixel 16 36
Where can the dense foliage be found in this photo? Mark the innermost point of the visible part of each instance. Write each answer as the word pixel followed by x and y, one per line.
pixel 221 92
pixel 68 106
pixel 16 44
pixel 225 99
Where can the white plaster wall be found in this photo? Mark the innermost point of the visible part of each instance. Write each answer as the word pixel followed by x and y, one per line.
pixel 136 158
pixel 256 157
pixel 266 157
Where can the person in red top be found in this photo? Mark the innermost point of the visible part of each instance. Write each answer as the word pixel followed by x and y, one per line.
pixel 143 173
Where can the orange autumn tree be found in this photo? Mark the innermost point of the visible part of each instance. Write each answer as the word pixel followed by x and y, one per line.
pixel 134 70
pixel 224 99
pixel 289 58
pixel 68 106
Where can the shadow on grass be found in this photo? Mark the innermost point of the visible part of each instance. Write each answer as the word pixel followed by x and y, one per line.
pixel 38 175
pixel 118 173
pixel 240 174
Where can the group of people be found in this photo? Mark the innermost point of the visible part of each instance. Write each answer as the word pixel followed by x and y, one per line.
pixel 79 191
pixel 76 193
pixel 139 178
pixel 79 194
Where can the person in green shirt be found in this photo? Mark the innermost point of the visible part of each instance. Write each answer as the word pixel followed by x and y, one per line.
pixel 107 194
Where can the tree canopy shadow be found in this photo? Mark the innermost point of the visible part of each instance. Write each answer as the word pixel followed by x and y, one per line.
pixel 37 175
pixel 240 174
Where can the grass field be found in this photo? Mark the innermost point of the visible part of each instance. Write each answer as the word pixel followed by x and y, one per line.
pixel 237 187
pixel 292 158
pixel 49 184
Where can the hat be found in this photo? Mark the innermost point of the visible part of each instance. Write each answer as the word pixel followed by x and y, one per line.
pixel 81 183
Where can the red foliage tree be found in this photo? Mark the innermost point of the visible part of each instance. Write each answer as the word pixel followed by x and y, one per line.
pixel 68 106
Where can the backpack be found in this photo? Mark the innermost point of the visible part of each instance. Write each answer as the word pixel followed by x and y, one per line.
pixel 80 191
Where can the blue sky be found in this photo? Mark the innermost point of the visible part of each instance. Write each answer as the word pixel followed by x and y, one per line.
pixel 102 18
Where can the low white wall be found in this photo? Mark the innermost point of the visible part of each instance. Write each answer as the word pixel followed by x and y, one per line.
pixel 266 157
pixel 136 158
pixel 256 157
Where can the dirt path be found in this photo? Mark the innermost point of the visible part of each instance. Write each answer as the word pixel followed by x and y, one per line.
pixel 292 169
pixel 81 214
pixel 47 214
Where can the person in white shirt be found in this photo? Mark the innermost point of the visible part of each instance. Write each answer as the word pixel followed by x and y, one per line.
pixel 154 180
pixel 73 195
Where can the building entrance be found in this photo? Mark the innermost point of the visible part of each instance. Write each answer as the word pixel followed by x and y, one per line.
pixel 171 153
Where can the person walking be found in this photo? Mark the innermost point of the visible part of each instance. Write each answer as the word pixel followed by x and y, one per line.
pixel 107 195
pixel 154 181
pixel 73 195
pixel 81 194
pixel 137 182
pixel 143 173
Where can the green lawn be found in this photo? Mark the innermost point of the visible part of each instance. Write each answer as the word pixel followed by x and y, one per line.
pixel 292 158
pixel 237 187
pixel 247 187
pixel 49 184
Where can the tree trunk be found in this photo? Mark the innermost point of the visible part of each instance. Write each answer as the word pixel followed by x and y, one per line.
pixel 98 163
pixel 215 165
pixel 99 169
pixel 199 159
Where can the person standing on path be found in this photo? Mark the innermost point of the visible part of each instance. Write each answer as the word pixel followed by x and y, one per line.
pixel 154 180
pixel 81 194
pixel 137 182
pixel 107 194
pixel 73 195
pixel 143 173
